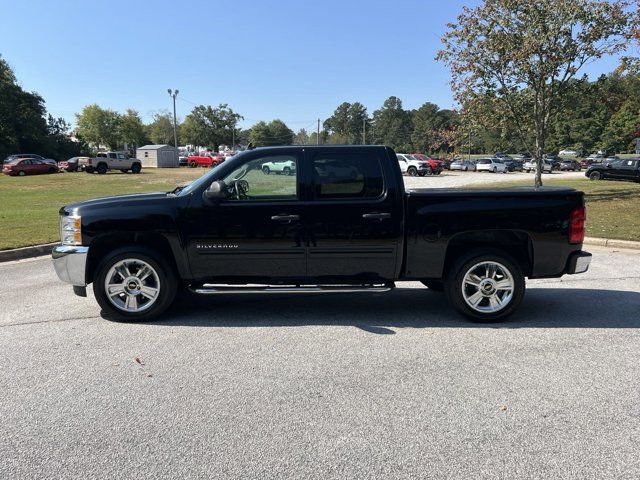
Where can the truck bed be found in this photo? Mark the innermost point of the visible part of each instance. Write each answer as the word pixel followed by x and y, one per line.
pixel 437 219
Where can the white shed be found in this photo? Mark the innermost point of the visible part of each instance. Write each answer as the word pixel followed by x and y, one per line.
pixel 158 156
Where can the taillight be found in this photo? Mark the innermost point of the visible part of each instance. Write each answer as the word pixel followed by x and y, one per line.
pixel 576 225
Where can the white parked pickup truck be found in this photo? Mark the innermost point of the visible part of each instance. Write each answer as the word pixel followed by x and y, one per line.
pixel 106 161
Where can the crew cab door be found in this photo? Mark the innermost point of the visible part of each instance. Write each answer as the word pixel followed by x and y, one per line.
pixel 255 235
pixel 354 216
pixel 624 169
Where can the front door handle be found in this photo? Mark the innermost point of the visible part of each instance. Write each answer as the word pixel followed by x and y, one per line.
pixel 376 216
pixel 285 218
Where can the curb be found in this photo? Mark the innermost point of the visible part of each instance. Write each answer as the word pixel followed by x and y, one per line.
pixel 45 249
pixel 26 252
pixel 611 242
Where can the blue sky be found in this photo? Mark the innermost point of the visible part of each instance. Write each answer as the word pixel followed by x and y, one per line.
pixel 293 60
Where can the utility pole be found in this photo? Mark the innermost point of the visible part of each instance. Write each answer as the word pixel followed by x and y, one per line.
pixel 364 131
pixel 469 143
pixel 318 134
pixel 174 94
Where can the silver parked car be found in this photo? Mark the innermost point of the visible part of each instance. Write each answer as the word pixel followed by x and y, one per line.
pixel 463 165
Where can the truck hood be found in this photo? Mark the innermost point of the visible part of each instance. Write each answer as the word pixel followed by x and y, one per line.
pixel 116 202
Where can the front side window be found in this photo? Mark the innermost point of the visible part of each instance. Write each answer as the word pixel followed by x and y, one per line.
pixel 264 178
pixel 112 155
pixel 348 175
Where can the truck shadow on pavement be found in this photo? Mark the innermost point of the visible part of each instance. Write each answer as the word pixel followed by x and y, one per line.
pixel 379 313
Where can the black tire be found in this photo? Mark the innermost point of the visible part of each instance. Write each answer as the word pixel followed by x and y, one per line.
pixel 167 284
pixel 412 171
pixel 435 285
pixel 51 170
pixel 124 170
pixel 428 171
pixel 101 169
pixel 286 171
pixel 453 286
pixel 136 168
pixel 193 164
pixel 266 170
pixel 89 170
pixel 22 173
pixel 595 176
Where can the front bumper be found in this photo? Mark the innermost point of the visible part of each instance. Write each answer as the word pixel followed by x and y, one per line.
pixel 578 262
pixel 70 263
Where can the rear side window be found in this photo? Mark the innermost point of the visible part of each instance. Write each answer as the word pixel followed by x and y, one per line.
pixel 348 175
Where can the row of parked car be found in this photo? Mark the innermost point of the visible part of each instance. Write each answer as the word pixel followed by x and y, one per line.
pixel 22 164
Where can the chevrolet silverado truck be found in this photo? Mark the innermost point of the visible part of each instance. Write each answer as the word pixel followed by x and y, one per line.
pixel 619 170
pixel 106 161
pixel 342 221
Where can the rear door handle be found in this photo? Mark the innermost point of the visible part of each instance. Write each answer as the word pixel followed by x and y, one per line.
pixel 376 216
pixel 285 218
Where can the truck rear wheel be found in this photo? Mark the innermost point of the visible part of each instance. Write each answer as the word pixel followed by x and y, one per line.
pixel 101 169
pixel 595 176
pixel 134 284
pixel 485 286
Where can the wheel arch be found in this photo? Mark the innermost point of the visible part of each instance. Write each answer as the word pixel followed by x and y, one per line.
pixel 108 242
pixel 517 244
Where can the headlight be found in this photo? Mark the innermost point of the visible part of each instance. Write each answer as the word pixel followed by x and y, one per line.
pixel 70 230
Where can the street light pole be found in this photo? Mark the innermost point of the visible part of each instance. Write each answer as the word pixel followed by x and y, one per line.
pixel 174 94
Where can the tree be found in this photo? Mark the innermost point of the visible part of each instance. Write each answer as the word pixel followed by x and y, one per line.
pixel 301 138
pixel 275 132
pixel 160 130
pixel 131 129
pixel 623 128
pixel 210 126
pixel 58 142
pixel 525 54
pixel 23 126
pixel 392 125
pixel 98 126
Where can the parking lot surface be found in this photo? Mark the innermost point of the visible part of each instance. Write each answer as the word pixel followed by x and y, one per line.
pixel 448 179
pixel 391 385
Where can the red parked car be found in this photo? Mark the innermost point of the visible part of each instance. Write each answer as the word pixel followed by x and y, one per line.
pixel 434 163
pixel 206 160
pixel 28 166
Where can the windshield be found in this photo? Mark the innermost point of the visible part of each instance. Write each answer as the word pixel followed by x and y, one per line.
pixel 205 179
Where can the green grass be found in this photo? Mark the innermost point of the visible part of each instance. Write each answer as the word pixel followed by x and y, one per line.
pixel 29 205
pixel 612 206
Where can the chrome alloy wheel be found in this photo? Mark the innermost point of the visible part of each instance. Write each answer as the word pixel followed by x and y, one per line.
pixel 488 287
pixel 132 285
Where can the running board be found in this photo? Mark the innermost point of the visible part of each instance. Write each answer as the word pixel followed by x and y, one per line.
pixel 216 290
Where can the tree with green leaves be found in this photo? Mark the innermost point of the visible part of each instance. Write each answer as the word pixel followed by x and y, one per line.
pixel 347 123
pixel 209 126
pixel 301 138
pixel 23 126
pixel 276 132
pixel 160 130
pixel 98 126
pixel 131 130
pixel 525 54
pixel 392 125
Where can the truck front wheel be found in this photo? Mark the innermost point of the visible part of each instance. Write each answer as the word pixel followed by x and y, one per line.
pixel 134 284
pixel 135 168
pixel 485 286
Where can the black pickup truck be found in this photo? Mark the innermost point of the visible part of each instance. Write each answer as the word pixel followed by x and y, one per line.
pixel 617 170
pixel 318 219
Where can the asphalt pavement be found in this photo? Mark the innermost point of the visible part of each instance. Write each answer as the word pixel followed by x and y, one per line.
pixel 389 385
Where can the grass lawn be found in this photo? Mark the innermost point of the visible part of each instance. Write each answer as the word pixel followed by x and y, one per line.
pixel 29 205
pixel 612 206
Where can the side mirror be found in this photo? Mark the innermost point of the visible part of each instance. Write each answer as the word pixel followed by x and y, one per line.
pixel 216 191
